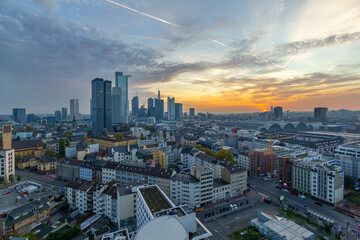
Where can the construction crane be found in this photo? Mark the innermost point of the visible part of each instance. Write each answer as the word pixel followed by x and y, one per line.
pixel 271 149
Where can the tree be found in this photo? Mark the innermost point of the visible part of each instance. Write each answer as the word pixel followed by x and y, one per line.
pixel 150 128
pixel 245 147
pixel 67 142
pixel 68 134
pixel 17 138
pixel 226 155
pixel 12 178
pixel 44 145
pixel 30 235
pixel 119 136
pixel 58 129
pixel 142 137
pixel 253 235
pixel 349 181
pixel 205 150
pixel 29 128
pixel 50 153
pixel 62 147
pixel 18 178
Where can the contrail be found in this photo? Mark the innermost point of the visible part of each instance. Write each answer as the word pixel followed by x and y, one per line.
pixel 172 24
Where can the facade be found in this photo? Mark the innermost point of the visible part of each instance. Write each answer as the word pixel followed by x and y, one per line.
pixel 150 103
pixel 261 161
pixel 327 183
pixel 171 108
pixel 27 148
pixel 192 112
pixel 53 145
pixel 348 157
pixel 121 100
pixel 79 194
pixel 302 176
pixel 206 178
pixel 46 165
pixel 185 189
pixel 74 109
pixel 68 169
pixel 19 114
pixel 57 115
pixel 20 219
pixel 109 171
pixel 64 113
pixel 7 163
pixel 236 176
pixel 243 160
pixel 276 228
pixel 135 106
pixel 320 113
pixel 285 170
pixel 105 143
pixel 178 111
pixel 27 162
pixel 221 190
pixel 159 109
pixel 278 113
pixel 101 110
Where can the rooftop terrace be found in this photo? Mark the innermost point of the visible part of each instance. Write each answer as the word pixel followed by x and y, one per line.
pixel 155 200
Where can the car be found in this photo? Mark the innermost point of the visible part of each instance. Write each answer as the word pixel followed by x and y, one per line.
pixel 279 187
pixel 267 200
pixel 285 190
pixel 235 205
pixel 294 193
pixel 302 196
pixel 231 205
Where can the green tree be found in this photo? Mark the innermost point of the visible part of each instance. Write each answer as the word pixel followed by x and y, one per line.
pixel 50 153
pixel 62 147
pixel 30 235
pixel 119 136
pixel 205 150
pixel 68 134
pixel 17 138
pixel 349 181
pixel 150 128
pixel 68 234
pixel 142 137
pixel 245 147
pixel 12 178
pixel 44 145
pixel 58 129
pixel 18 178
pixel 29 128
pixel 67 142
pixel 253 235
pixel 226 155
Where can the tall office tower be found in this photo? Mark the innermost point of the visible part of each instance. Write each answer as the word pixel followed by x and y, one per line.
pixel 171 108
pixel 19 114
pixel 57 115
pixel 150 103
pixel 74 109
pixel 135 106
pixel 159 108
pixel 63 113
pixel 192 112
pixel 178 111
pixel 320 113
pixel 159 94
pixel 142 112
pixel 120 98
pixel 6 136
pixel 278 113
pixel 101 111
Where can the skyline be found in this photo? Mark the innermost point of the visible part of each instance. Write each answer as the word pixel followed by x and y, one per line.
pixel 216 57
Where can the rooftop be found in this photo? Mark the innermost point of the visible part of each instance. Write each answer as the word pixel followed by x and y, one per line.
pixel 185 178
pixel 80 184
pixel 155 199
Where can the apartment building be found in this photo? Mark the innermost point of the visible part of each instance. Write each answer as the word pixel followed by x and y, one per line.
pixel 236 176
pixel 185 189
pixel 123 153
pixel 348 157
pixel 68 169
pixel 105 202
pixel 261 161
pixel 7 163
pixel 109 171
pixel 46 165
pixel 221 190
pixel 205 176
pixel 302 176
pixel 243 160
pixel 80 195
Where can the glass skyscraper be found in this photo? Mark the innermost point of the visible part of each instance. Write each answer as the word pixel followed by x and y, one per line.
pixel 74 109
pixel 120 98
pixel 135 106
pixel 101 106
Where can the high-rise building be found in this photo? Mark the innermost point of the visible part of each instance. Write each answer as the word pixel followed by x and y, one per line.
pixel 19 114
pixel 101 110
pixel 159 107
pixel 320 113
pixel 192 112
pixel 150 103
pixel 74 109
pixel 57 115
pixel 120 98
pixel 171 108
pixel 178 111
pixel 142 112
pixel 261 161
pixel 135 106
pixel 63 113
pixel 278 113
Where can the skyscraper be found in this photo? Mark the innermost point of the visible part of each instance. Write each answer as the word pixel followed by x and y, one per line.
pixel 150 103
pixel 278 113
pixel 159 107
pixel 178 111
pixel 74 109
pixel 63 113
pixel 171 108
pixel 135 106
pixel 19 114
pixel 192 112
pixel 57 115
pixel 101 110
pixel 320 113
pixel 120 98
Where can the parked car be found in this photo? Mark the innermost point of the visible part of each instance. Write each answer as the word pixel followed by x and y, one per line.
pixel 285 190
pixel 302 196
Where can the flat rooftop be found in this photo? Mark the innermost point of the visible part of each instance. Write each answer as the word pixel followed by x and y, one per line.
pixel 154 198
pixel 174 211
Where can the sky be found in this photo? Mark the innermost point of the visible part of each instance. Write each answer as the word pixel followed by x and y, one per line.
pixel 217 56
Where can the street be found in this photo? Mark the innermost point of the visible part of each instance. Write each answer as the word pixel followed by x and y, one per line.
pixel 47 179
pixel 268 188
